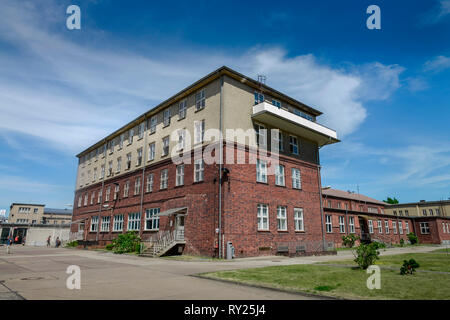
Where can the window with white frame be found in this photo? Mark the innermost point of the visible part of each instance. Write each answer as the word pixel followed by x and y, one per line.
pixel 116 191
pixel 85 199
pixel 108 191
pixel 406 227
pixel 261 135
pixel 92 197
pixel 281 218
pixel 259 97
pixel 394 227
pixel 199 168
pixel 129 161
pixel 424 228
pixel 165 147
pixel 111 146
pixel 400 227
pixel 118 222
pixel 261 171
pixel 152 219
pixel 110 168
pixel 166 117
pixel 182 109
pixel 328 224
pixel 448 227
pixel 94 223
pixel 200 100
pixel 438 212
pixel 341 224
pixel 164 178
pixel 296 178
pixel 199 131
pixel 79 201
pixel 298 219
pixel 386 226
pixel 130 136
pixel 105 224
pixel 278 140
pixel 293 144
pixel 149 186
pixel 180 175
pixel 372 210
pixel 443 227
pixel 151 151
pixel 139 157
pixel 351 224
pixel 126 188
pixel 141 130
pixel 153 122
pixel 121 139
pixel 370 226
pixel 95 175
pixel 263 217
pixel 181 139
pixel 102 176
pixel 431 212
pixel 279 175
pixel 100 195
pixel 119 164
pixel 380 227
pixel 134 221
pixel 137 186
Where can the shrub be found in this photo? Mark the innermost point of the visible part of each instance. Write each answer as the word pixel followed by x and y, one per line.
pixel 402 242
pixel 366 255
pixel 109 246
pixel 127 242
pixel 413 238
pixel 378 245
pixel 72 244
pixel 409 267
pixel 349 241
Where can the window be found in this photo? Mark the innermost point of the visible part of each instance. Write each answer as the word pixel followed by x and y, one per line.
pixel 431 212
pixel 400 213
pixel 263 217
pixel 298 219
pixel 400 227
pixel 199 131
pixel 443 227
pixel 406 213
pixel 149 187
pixel 92 197
pixel 166 117
pixel 110 168
pixel 386 226
pixel 346 206
pixel 278 140
pixel 180 175
pixel 261 171
pixel 108 191
pixel 394 227
pixel 182 109
pixel 164 178
pixel 293 144
pixel 372 210
pixel 153 121
pixel 141 130
pixel 105 224
pixel 119 164
pixel 102 171
pixel 261 135
pixel 296 178
pixel 259 97
pixel 341 224
pixel 126 188
pixel 424 228
pixel 351 224
pixel 79 201
pixel 121 139
pixel 134 221
pixel 130 136
pixel 100 195
pixel 438 213
pixel 181 139
pixel 111 146
pixel 395 213
pixel 370 226
pixel 380 227
pixel 199 168
pixel 152 219
pixel 281 218
pixel 200 100
pixel 338 205
pixel 85 199
pixel 424 212
pixel 104 150
pixel 328 224
pixel 137 186
pixel 406 227
pixel 118 222
pixel 151 151
pixel 95 175
pixel 279 175
pixel 94 223
pixel 165 148
pixel 116 191
pixel 276 103
pixel 302 114
pixel 129 161
pixel 139 157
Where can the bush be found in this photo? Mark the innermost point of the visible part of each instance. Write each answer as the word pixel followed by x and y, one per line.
pixel 413 238
pixel 72 244
pixel 109 246
pixel 402 242
pixel 378 245
pixel 366 255
pixel 409 267
pixel 349 241
pixel 127 242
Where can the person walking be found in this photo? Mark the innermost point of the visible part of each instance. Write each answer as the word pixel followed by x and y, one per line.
pixel 16 240
pixel 8 245
pixel 48 241
pixel 58 242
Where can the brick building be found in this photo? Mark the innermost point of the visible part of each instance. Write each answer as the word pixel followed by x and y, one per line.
pixel 265 200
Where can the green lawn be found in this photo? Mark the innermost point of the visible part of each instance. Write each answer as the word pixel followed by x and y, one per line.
pixel 347 282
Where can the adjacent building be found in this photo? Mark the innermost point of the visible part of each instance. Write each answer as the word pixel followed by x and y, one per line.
pixel 27 213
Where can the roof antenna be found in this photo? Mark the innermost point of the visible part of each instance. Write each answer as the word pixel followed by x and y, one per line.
pixel 262 79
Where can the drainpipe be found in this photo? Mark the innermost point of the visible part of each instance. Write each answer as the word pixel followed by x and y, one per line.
pixel 320 195
pixel 220 165
pixel 144 152
pixel 105 151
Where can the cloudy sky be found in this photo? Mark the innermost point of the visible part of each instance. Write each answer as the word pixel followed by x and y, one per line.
pixel 386 92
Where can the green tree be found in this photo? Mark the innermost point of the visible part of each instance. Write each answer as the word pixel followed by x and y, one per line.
pixel 391 200
pixel 366 254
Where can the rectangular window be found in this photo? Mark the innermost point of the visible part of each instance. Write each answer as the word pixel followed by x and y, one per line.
pixel 134 221
pixel 122 138
pixel 259 97
pixel 261 135
pixel 394 227
pixel 100 195
pixel 137 186
pixel 438 212
pixel 431 212
pixel 199 168
pixel 380 227
pixel 261 171
pixel 199 131
pixel 153 122
pixel 165 148
pixel 370 226
pixel 351 224
pixel 119 164
pixel 166 117
pixel 281 218
pixel 129 161
pixel 141 130
pixel 105 224
pixel 111 146
pixel 298 219
pixel 139 157
pixel 424 212
pixel 130 136
pixel 182 109
pixel 181 139
pixel 278 140
pixel 293 144
pixel 328 224
pixel 296 178
pixel 151 151
pixel 79 201
pixel 94 223
pixel 102 172
pixel 152 219
pixel 149 187
pixel 92 197
pixel 110 168
pixel 118 222
pixel 407 227
pixel 263 217
pixel 400 227
pixel 386 226
pixel 276 103
pixel 116 191
pixel 108 191
pixel 200 100
pixel 424 228
pixel 95 175
pixel 126 188
pixel 279 175
pixel 180 175
pixel 341 224
pixel 164 178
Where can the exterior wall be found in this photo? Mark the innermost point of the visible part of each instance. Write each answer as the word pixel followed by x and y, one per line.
pixel 37 236
pixel 416 209
pixel 15 215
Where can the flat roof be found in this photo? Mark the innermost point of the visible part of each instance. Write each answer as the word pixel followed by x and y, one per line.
pixel 27 204
pixel 350 195
pixel 58 211
pixel 419 203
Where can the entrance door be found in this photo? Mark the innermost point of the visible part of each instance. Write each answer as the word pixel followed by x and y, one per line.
pixel 179 227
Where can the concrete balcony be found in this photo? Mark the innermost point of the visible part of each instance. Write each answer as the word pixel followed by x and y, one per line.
pixel 284 120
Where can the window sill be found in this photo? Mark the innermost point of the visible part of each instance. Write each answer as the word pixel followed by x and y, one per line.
pixel 179 119
pixel 266 231
pixel 299 231
pixel 279 185
pixel 152 132
pixel 260 182
pixel 200 109
pixel 166 125
pixel 151 230
pixel 179 186
pixel 283 231
pixel 196 182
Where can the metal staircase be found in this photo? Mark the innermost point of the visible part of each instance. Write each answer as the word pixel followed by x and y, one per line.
pixel 161 243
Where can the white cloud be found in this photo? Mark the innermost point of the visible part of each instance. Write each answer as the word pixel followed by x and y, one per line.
pixel 437 64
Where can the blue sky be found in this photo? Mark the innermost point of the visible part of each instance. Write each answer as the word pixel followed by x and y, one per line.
pixel 385 91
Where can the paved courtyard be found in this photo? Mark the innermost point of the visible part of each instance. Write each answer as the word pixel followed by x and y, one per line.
pixel 40 273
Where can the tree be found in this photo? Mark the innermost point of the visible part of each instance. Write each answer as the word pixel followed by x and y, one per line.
pixel 391 200
pixel 409 267
pixel 366 255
